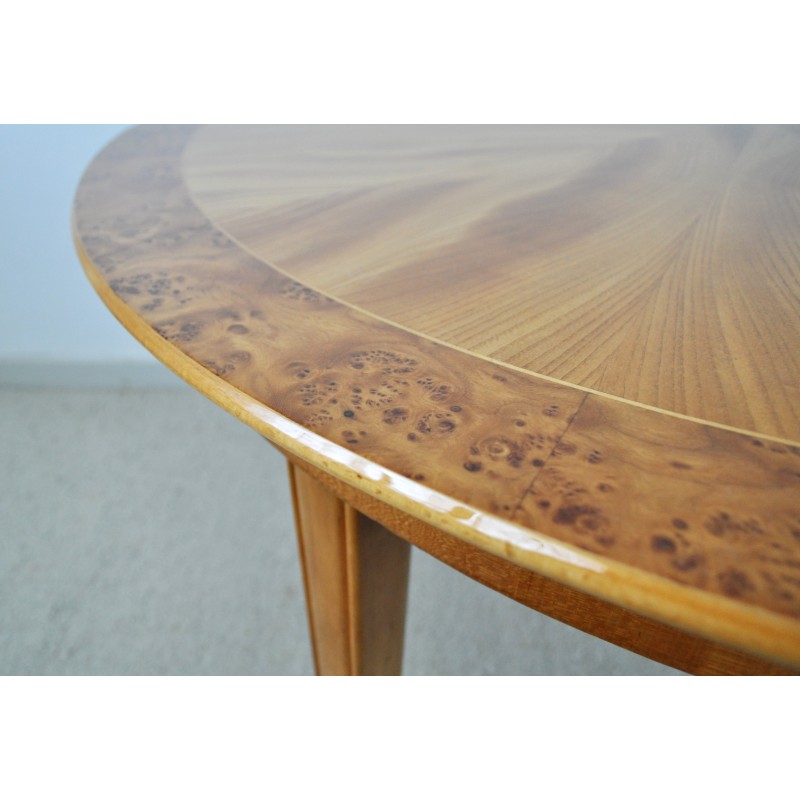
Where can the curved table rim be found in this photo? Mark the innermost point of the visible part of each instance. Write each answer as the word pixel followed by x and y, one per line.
pixel 753 630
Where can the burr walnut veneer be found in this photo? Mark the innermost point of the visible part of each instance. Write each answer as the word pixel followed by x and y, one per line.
pixel 565 360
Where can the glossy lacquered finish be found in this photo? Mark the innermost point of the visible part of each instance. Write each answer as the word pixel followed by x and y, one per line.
pixel 574 349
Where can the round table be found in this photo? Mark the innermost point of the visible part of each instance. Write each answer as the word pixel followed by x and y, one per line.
pixel 564 360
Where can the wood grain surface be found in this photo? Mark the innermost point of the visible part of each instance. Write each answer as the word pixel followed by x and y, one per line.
pixel 356 581
pixel 602 283
pixel 656 264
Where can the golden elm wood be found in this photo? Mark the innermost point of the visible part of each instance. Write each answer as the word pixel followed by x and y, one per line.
pixel 652 263
pixel 356 577
pixel 574 349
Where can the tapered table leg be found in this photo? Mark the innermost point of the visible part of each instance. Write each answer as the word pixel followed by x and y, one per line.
pixel 356 579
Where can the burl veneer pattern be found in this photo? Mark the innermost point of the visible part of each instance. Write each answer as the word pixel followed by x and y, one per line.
pixel 698 505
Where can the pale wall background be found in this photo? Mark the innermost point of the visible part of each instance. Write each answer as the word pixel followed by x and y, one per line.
pixel 49 314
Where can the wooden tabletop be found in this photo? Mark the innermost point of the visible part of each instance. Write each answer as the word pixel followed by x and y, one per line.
pixel 577 348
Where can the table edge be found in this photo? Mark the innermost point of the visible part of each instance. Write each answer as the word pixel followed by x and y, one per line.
pixel 753 630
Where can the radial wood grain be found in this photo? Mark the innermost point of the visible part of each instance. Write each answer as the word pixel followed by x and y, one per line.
pixel 652 263
pixel 680 519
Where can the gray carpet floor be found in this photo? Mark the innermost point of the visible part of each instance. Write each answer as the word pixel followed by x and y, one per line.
pixel 145 531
